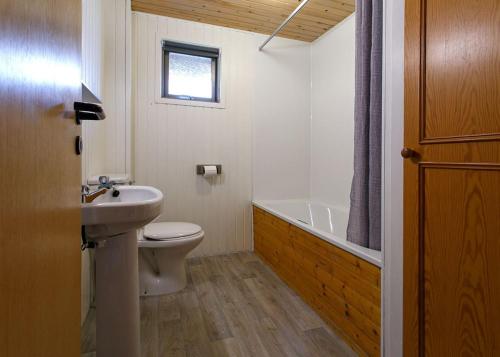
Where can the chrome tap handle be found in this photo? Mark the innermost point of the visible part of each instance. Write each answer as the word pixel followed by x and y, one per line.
pixel 103 180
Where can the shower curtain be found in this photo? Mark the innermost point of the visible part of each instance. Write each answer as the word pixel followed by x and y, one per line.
pixel 364 226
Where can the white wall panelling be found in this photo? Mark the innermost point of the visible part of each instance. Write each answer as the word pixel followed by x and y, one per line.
pixel 106 69
pixel 91 76
pixel 107 64
pixel 92 62
pixel 115 129
pixel 332 106
pixel 171 139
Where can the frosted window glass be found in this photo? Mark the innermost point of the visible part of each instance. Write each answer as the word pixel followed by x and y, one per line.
pixel 190 75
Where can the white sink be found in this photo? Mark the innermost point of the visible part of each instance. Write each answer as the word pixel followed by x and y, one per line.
pixel 112 223
pixel 108 216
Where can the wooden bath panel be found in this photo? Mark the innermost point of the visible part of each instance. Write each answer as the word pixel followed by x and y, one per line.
pixel 342 288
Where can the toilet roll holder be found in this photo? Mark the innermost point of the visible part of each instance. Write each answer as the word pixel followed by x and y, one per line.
pixel 200 169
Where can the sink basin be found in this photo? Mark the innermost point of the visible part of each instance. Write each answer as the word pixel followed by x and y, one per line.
pixel 112 222
pixel 108 216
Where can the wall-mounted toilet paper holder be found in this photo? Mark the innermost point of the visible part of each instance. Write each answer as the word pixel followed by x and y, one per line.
pixel 200 169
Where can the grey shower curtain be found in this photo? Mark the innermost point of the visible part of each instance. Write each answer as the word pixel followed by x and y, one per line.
pixel 364 226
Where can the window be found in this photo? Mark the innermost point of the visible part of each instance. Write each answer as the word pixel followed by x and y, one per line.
pixel 190 72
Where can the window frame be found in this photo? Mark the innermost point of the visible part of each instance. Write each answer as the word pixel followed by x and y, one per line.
pixel 192 50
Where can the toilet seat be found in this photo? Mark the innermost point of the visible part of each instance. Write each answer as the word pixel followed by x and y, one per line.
pixel 168 234
pixel 170 230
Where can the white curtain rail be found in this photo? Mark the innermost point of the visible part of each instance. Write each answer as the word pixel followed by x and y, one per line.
pixel 292 15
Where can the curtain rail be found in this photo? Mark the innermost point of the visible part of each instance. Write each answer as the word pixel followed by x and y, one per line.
pixel 292 15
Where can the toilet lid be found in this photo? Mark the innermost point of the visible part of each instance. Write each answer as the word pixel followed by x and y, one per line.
pixel 168 230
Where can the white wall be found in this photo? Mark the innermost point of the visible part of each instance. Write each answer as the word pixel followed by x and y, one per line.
pixel 116 43
pixel 171 139
pixel 91 76
pixel 92 63
pixel 281 146
pixel 106 61
pixel 106 72
pixel 332 107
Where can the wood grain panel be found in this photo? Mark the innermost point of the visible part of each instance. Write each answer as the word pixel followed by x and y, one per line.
pixel 342 288
pixel 451 186
pixel 261 16
pixel 40 173
pixel 460 295
pixel 461 76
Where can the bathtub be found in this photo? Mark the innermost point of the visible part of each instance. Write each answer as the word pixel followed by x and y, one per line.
pixel 326 222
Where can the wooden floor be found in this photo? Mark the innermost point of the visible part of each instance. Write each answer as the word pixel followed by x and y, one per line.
pixel 233 306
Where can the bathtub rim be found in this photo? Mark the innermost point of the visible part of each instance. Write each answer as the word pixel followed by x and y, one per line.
pixel 371 256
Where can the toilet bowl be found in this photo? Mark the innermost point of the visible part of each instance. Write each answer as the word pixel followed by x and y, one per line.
pixel 163 248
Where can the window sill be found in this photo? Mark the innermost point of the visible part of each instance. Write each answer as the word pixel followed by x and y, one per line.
pixel 190 103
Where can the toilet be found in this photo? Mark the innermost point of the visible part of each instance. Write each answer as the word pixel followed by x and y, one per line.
pixel 163 248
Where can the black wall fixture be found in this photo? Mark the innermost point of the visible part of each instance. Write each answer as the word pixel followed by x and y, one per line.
pixel 89 108
pixel 78 145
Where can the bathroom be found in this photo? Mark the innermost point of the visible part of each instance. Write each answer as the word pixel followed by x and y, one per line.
pixel 269 131
pixel 252 175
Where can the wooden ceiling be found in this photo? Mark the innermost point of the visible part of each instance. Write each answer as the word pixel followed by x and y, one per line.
pixel 262 16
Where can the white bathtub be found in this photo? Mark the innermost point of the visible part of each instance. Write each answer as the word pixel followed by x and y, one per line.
pixel 326 222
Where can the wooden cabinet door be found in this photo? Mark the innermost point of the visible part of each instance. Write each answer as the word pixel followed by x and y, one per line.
pixel 452 178
pixel 40 176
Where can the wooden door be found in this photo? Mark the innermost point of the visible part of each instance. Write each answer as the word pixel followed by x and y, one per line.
pixel 40 176
pixel 452 178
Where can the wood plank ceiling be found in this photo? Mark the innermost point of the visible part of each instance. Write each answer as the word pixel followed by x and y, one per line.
pixel 262 16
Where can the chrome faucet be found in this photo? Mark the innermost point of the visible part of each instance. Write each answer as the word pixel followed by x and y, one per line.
pixel 88 196
pixel 104 182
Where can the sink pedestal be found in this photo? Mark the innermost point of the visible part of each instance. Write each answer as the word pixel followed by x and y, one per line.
pixel 117 272
pixel 117 297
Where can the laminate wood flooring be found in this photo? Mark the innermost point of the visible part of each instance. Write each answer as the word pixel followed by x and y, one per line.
pixel 234 305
